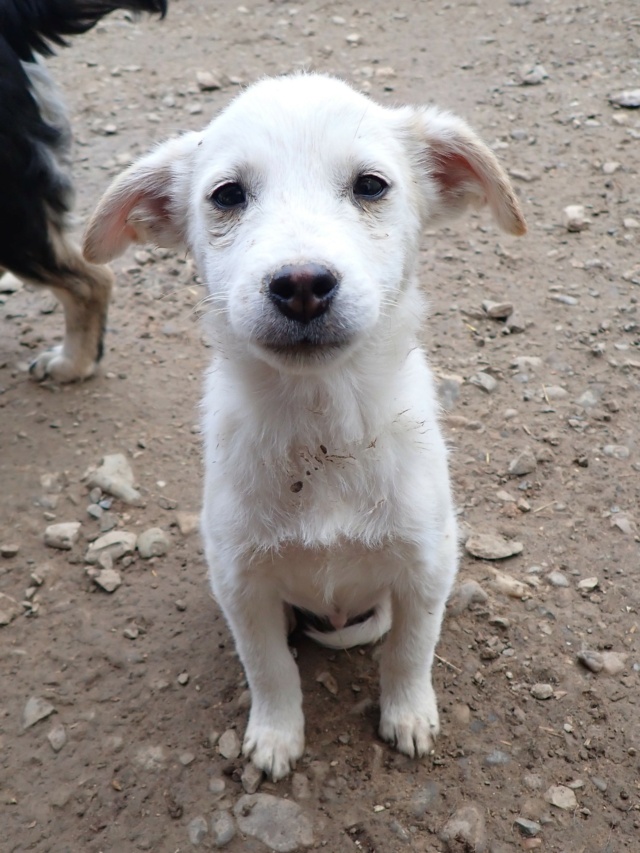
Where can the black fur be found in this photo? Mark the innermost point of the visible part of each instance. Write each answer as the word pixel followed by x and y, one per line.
pixel 33 192
pixel 29 26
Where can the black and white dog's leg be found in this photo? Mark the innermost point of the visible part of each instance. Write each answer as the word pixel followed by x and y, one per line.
pixel 408 707
pixel 275 733
pixel 84 290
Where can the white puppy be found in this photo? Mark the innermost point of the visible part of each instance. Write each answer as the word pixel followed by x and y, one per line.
pixel 326 483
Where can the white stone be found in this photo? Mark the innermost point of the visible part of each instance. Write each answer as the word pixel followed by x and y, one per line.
pixel 152 543
pixel 229 744
pixel 523 463
pixel 561 797
pixel 574 217
pixel 115 544
pixel 629 98
pixel 207 81
pixel 492 546
pixel 188 522
pixel 35 710
pixel 108 579
pixel 63 535
pixel 57 737
pixel 497 310
pixel 115 477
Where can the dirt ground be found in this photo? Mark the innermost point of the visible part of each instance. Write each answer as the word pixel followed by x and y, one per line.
pixel 144 680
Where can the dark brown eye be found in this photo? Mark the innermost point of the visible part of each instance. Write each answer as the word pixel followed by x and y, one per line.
pixel 369 187
pixel 229 196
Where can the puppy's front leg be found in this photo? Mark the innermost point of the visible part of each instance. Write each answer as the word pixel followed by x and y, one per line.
pixel 275 735
pixel 409 711
pixel 408 707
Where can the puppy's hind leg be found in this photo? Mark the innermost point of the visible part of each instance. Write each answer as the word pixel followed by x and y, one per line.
pixel 84 290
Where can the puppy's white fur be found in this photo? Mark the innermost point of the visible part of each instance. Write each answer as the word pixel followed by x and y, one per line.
pixel 326 482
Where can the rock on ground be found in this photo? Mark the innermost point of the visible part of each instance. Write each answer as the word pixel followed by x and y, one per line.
pixel 465 831
pixel 280 824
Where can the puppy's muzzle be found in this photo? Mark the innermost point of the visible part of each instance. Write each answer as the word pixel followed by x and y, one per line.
pixel 302 292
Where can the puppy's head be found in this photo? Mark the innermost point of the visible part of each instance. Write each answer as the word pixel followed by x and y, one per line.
pixel 303 204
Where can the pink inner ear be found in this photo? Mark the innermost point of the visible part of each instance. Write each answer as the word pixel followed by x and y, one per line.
pixel 453 172
pixel 121 230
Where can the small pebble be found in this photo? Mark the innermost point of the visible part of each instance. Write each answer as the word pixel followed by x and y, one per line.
pixel 35 710
pixel 9 549
pixel 223 828
pixel 63 535
pixel 116 544
pixel 561 796
pixel 108 579
pixel 528 828
pixel 557 579
pixel 541 691
pixel 533 76
pixel 497 310
pixel 207 81
pixel 188 522
pixel 591 659
pixel 251 778
pixel 328 681
pixel 57 737
pixel 484 381
pixel 197 830
pixel 629 98
pixel 524 463
pixel 492 546
pixel 217 786
pixel 115 476
pixel 183 678
pixel 229 744
pixel 564 298
pixel 616 451
pixel 152 543
pixel 574 218
pixel 465 830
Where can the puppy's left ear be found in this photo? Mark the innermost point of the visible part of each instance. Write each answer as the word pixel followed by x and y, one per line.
pixel 146 204
pixel 461 170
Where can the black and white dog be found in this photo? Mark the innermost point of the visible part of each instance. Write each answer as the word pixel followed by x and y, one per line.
pixel 35 175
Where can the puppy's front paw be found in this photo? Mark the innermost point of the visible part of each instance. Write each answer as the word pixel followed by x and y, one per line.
pixel 412 731
pixel 274 748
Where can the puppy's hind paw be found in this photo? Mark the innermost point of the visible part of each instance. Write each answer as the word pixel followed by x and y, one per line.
pixel 410 732
pixel 272 749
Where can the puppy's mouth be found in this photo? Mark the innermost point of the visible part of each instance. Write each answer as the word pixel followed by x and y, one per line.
pixel 315 341
pixel 304 348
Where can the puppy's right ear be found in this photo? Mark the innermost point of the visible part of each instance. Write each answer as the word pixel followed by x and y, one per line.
pixel 146 204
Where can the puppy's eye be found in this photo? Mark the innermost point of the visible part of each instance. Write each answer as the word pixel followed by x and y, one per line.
pixel 369 187
pixel 229 196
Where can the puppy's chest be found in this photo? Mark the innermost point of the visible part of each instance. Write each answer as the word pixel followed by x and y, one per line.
pixel 321 471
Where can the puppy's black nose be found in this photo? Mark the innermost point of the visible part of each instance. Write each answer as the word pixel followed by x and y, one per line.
pixel 303 292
